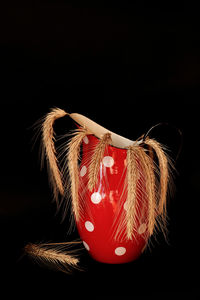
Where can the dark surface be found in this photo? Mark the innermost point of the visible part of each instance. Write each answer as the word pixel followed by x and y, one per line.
pixel 127 67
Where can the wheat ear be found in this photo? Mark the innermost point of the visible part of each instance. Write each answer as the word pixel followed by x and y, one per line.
pixel 132 177
pixel 148 170
pixel 164 174
pixel 53 255
pixel 49 150
pixel 134 154
pixel 96 158
pixel 73 168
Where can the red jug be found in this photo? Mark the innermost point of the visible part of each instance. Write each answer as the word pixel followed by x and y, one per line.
pixel 118 190
pixel 105 206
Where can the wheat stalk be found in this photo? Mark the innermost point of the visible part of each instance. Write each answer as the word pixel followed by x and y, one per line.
pixel 132 177
pixel 73 168
pixel 150 186
pixel 135 153
pixel 164 174
pixel 52 255
pixel 49 150
pixel 96 160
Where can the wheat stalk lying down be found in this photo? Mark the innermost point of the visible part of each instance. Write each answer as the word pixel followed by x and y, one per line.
pixel 54 255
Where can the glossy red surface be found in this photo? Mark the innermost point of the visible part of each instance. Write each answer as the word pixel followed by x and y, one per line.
pixel 105 206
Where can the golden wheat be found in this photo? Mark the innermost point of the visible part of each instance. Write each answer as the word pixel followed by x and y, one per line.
pixel 53 255
pixel 49 150
pixel 73 168
pixel 96 160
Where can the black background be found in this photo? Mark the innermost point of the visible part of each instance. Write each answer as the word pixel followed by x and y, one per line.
pixel 127 66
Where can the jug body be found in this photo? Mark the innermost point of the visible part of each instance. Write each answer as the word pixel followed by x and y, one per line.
pixel 102 226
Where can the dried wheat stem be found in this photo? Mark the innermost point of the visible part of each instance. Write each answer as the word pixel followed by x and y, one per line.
pixel 51 255
pixel 50 151
pixel 54 257
pixel 96 160
pixel 149 170
pixel 151 192
pixel 150 152
pixel 73 157
pixel 149 177
pixel 164 174
pixel 132 177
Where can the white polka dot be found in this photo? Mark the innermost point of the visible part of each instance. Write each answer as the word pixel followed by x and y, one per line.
pixel 96 198
pixel 86 246
pixel 120 251
pixel 83 171
pixel 108 161
pixel 85 139
pixel 126 205
pixel 89 226
pixel 142 228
